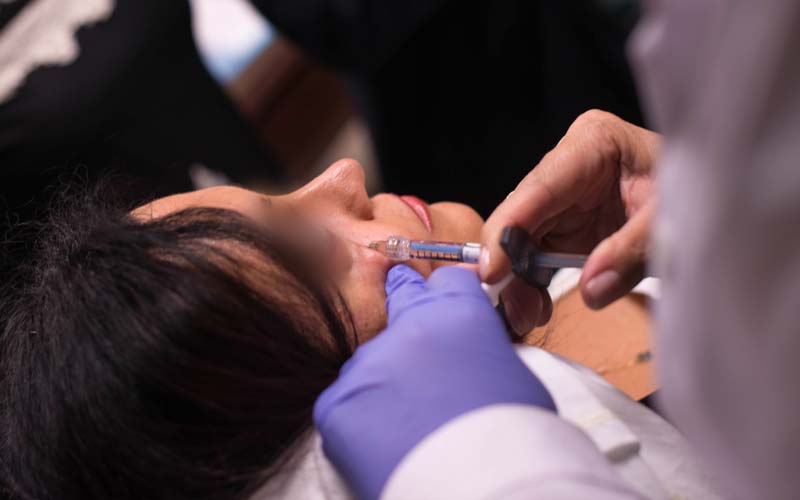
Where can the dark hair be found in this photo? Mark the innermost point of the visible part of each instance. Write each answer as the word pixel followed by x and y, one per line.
pixel 173 358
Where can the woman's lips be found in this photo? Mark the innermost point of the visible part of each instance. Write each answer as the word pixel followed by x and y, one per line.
pixel 421 209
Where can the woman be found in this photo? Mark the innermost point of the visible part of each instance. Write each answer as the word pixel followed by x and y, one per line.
pixel 176 351
pixel 191 314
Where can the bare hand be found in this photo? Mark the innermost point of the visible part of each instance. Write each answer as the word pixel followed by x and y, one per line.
pixel 593 193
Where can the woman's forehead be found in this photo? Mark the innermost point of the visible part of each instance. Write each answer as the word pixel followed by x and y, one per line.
pixel 232 198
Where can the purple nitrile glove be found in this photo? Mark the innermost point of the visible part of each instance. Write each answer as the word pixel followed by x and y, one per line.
pixel 444 353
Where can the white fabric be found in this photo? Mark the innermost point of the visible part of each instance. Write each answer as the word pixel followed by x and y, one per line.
pixel 229 34
pixel 649 456
pixel 529 452
pixel 43 33
pixel 721 79
pixel 309 476
pixel 566 280
pixel 505 450
pixel 672 460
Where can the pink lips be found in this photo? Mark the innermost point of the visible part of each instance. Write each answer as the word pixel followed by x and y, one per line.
pixel 420 208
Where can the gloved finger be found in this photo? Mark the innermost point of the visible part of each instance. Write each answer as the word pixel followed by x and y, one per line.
pixel 523 306
pixel 456 280
pixel 343 387
pixel 403 286
pixel 618 264
pixel 323 405
pixel 469 267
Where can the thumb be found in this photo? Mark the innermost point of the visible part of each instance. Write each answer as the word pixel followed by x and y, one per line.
pixel 618 263
pixel 403 285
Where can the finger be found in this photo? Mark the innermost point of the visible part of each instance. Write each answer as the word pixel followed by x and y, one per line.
pixel 547 309
pixel 325 403
pixel 403 285
pixel 562 179
pixel 340 391
pixel 455 280
pixel 618 264
pixel 523 306
pixel 470 267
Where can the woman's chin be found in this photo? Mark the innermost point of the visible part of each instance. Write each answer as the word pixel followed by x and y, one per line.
pixel 455 222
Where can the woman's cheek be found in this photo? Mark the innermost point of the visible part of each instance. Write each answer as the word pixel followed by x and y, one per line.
pixel 366 299
pixel 364 289
pixel 362 285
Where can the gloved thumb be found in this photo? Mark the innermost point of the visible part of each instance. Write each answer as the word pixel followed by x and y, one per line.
pixel 403 286
pixel 618 263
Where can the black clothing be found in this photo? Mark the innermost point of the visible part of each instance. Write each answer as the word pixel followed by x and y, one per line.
pixel 464 97
pixel 137 100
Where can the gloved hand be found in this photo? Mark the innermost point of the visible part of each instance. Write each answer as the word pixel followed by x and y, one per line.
pixel 595 192
pixel 444 353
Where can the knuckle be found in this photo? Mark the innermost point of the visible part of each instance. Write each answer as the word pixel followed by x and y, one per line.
pixel 595 117
pixel 598 125
pixel 600 131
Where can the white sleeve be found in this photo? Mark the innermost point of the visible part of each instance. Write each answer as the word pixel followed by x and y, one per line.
pixel 722 80
pixel 506 451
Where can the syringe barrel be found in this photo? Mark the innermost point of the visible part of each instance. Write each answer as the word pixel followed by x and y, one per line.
pixel 400 248
pixel 436 250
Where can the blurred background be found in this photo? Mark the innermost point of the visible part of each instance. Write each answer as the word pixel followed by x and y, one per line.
pixel 302 110
pixel 442 99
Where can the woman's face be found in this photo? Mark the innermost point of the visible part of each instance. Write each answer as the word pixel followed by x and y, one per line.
pixel 342 221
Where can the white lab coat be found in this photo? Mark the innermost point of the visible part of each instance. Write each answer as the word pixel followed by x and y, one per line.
pixel 721 79
pixel 601 445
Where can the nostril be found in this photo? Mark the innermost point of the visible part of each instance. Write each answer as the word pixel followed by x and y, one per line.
pixel 366 211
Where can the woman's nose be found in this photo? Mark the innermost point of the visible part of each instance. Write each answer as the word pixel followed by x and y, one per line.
pixel 341 186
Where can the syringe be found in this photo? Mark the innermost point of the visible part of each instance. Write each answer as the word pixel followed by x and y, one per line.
pixel 527 262
pixel 401 249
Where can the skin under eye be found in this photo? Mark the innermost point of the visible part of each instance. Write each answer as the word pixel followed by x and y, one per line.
pixel 312 239
pixel 290 222
pixel 309 236
pixel 321 237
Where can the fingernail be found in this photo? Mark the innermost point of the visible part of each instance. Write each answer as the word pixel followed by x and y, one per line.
pixel 603 288
pixel 483 265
